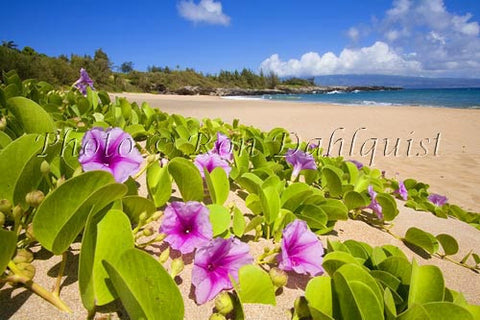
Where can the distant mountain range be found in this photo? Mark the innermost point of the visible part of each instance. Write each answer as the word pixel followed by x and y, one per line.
pixel 396 81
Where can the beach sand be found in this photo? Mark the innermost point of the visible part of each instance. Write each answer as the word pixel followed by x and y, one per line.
pixel 449 161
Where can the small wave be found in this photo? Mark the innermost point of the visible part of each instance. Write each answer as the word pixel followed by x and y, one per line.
pixel 370 102
pixel 242 98
pixel 334 92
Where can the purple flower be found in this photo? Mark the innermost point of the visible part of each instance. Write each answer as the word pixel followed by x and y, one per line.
pixel 187 226
pixel 300 160
pixel 84 81
pixel 301 250
pixel 358 164
pixel 223 147
pixel 211 161
pixel 214 263
pixel 112 150
pixel 374 205
pixel 402 190
pixel 437 199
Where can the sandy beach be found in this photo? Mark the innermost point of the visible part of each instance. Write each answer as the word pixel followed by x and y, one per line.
pixel 444 149
pixel 438 146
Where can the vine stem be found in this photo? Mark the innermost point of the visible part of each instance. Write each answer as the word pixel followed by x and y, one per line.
pixel 60 274
pixel 19 277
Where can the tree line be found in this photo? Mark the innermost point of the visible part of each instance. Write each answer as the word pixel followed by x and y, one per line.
pixel 64 70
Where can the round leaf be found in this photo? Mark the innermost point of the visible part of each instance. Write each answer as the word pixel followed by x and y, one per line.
pixel 422 239
pixel 188 179
pixel 449 244
pixel 33 118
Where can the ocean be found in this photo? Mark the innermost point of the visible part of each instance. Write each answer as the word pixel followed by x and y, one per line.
pixel 464 98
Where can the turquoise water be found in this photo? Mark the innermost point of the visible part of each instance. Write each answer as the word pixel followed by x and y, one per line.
pixel 465 98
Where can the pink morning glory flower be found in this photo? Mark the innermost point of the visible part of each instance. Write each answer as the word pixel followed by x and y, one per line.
pixel 302 251
pixel 223 147
pixel 111 150
pixel 402 190
pixel 437 199
pixel 300 160
pixel 211 161
pixel 374 205
pixel 186 225
pixel 214 263
pixel 84 81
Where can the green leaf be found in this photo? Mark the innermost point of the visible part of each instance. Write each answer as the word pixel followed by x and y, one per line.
pixel 159 184
pixel 294 195
pixel 251 182
pixel 62 215
pixel 397 266
pixel 335 209
pixel 8 240
pixel 369 306
pixel 218 185
pixel 255 286
pixel 106 236
pixel 449 244
pixel 238 222
pixel 319 294
pixel 447 311
pixel 134 206
pixel 416 312
pixel 219 217
pixel 355 272
pixel 256 221
pixel 333 181
pixel 270 201
pixel 354 200
pixel 422 239
pixel 389 206
pixel 20 167
pixel 4 139
pixel 145 288
pixel 315 217
pixel 188 179
pixel 334 260
pixel 390 308
pixel 33 118
pixel 426 284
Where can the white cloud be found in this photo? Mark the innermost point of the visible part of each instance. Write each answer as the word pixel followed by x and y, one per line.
pixel 376 59
pixel 414 37
pixel 206 11
pixel 353 34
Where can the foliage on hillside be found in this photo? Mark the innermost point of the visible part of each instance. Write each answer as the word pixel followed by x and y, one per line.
pixel 63 71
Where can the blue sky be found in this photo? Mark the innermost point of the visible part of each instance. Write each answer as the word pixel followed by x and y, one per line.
pixel 291 38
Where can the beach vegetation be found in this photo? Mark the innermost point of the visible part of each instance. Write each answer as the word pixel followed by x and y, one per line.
pixel 73 162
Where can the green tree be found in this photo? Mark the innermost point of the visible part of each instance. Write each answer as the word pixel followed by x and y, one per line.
pixel 126 67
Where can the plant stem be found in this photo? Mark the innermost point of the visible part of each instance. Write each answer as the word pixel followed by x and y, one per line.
pixel 18 277
pixel 60 274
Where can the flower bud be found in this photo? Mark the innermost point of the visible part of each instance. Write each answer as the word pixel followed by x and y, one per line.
pixel 160 237
pixel 164 255
pixel 147 232
pixel 217 316
pixel 156 215
pixel 81 124
pixel 279 277
pixel 27 269
pixel 17 212
pixel 176 267
pixel 34 198
pixel 5 206
pixel 23 255
pixel 142 217
pixel 29 232
pixel 3 123
pixel 60 181
pixel 151 158
pixel 2 219
pixel 224 303
pixel 44 167
pixel 301 308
